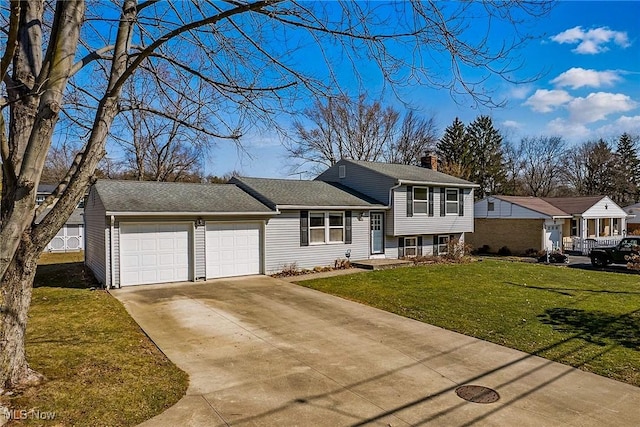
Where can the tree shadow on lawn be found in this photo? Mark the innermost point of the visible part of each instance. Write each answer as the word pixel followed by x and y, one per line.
pixel 596 327
pixel 569 291
pixel 73 275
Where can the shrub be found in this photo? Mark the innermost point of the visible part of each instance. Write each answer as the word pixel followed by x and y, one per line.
pixel 504 251
pixel 533 253
pixel 484 249
pixel 341 264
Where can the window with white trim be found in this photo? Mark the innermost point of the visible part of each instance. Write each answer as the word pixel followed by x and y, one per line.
pixel 451 198
pixel 326 227
pixel 443 244
pixel 420 200
pixel 410 246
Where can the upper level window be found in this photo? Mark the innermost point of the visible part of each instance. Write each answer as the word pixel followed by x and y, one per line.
pixel 420 200
pixel 40 199
pixel 491 206
pixel 451 201
pixel 326 227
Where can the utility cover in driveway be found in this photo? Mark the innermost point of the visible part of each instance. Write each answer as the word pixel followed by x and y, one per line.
pixel 233 249
pixel 154 253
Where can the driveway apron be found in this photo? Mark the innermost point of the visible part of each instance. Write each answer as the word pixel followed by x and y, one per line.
pixel 261 351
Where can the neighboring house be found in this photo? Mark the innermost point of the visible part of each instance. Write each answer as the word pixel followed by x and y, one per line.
pixel 633 221
pixel 427 209
pixel 150 232
pixel 70 237
pixel 549 223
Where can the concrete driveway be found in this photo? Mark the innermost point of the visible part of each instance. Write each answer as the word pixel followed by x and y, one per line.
pixel 261 351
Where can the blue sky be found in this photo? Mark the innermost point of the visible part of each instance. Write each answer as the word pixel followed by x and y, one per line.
pixel 589 57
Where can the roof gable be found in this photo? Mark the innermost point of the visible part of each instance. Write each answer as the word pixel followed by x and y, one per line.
pixel 289 192
pixel 175 197
pixel 411 173
pixel 573 205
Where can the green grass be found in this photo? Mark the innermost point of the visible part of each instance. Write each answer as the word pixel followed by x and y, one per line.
pixel 101 369
pixel 587 319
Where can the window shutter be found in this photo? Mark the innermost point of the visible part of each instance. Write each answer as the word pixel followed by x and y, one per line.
pixel 347 227
pixel 435 245
pixel 461 202
pixel 443 202
pixel 420 245
pixel 430 201
pixel 304 228
pixel 409 200
pixel 400 247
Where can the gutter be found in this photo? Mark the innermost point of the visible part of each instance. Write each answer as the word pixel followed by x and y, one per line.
pixel 436 184
pixel 124 213
pixel 346 208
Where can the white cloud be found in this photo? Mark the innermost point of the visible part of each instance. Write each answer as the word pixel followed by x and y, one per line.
pixel 592 41
pixel 512 124
pixel 570 131
pixel 579 77
pixel 629 124
pixel 520 91
pixel 544 101
pixel 596 106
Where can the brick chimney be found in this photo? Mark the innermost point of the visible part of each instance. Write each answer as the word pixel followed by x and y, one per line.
pixel 430 161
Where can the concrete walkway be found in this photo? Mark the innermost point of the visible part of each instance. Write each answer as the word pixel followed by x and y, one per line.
pixel 261 351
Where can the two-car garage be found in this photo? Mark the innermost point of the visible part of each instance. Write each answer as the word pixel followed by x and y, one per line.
pixel 156 252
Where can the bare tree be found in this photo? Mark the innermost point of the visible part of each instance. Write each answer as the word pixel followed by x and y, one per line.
pixel 539 162
pixel 590 169
pixel 70 60
pixel 360 130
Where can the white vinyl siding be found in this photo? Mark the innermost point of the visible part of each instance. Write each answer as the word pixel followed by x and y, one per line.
pixel 233 249
pixel 399 224
pixel 199 239
pixel 96 235
pixel 282 244
pixel 363 180
pixel 504 209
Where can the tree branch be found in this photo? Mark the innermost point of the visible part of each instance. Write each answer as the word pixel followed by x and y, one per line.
pixel 12 38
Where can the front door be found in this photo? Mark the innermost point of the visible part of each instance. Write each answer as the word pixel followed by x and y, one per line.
pixel 377 233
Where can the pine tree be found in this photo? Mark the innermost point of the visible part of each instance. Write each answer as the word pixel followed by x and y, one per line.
pixel 627 171
pixel 454 150
pixel 487 168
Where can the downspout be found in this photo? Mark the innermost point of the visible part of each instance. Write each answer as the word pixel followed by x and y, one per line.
pixel 111 234
pixel 390 205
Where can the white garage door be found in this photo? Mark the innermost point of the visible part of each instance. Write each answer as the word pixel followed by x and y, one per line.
pixel 154 253
pixel 233 250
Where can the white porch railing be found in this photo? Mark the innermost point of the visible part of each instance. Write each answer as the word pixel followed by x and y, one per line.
pixel 584 246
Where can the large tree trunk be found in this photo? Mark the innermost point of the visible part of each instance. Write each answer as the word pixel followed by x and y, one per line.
pixel 14 307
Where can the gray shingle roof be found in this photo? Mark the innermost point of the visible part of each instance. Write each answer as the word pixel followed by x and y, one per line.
pixel 77 216
pixel 411 173
pixel 175 197
pixel 289 192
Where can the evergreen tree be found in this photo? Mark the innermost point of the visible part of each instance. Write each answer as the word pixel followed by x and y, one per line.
pixel 454 150
pixel 627 172
pixel 600 174
pixel 487 168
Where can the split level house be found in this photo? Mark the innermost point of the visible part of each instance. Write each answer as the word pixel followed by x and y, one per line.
pixel 523 224
pixel 151 232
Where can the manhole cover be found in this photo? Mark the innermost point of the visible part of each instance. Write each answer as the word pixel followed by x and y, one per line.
pixel 477 394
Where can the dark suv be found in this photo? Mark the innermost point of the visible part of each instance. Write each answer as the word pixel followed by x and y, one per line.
pixel 601 257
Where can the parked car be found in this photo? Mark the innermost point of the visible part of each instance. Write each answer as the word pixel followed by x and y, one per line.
pixel 601 257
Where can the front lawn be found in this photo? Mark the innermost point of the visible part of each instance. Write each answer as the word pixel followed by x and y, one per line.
pixel 101 369
pixel 587 319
